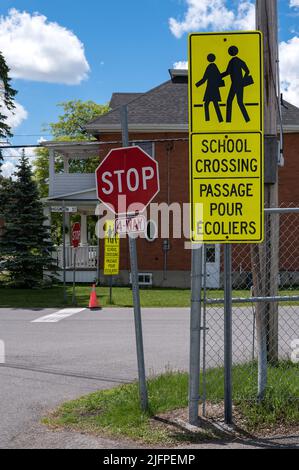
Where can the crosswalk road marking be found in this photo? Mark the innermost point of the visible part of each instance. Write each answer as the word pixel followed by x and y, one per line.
pixel 58 316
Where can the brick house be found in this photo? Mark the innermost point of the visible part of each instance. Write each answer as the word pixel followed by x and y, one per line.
pixel 158 122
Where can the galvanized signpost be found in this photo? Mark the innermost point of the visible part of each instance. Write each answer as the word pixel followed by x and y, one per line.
pixel 226 169
pixel 63 252
pixel 76 236
pixel 195 328
pixel 129 176
pixel 135 288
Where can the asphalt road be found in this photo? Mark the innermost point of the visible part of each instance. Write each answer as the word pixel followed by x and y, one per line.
pixel 66 355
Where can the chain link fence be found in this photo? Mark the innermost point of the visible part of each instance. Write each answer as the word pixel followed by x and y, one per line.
pixel 265 317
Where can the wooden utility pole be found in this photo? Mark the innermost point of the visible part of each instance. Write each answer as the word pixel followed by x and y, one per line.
pixel 265 257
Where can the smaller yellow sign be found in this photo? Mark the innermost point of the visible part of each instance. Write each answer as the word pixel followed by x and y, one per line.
pixel 112 250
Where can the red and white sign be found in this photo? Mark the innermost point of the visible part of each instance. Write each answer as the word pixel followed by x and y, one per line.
pixel 76 235
pixel 127 180
pixel 130 225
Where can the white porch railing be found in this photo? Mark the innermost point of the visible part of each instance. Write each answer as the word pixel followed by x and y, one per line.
pixel 87 257
pixel 65 183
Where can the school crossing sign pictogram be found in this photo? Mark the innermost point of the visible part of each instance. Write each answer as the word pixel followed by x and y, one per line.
pixel 226 137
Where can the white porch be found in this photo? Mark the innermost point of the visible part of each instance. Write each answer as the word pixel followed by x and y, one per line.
pixel 86 257
pixel 68 167
pixel 86 263
pixel 71 185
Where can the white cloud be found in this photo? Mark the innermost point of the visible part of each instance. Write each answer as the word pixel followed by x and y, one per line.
pixel 12 156
pixel 245 17
pixel 204 14
pixel 8 168
pixel 181 64
pixel 294 3
pixel 37 49
pixel 289 67
pixel 16 116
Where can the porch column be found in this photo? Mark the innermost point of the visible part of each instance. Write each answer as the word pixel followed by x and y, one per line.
pixel 51 171
pixel 83 241
pixel 66 165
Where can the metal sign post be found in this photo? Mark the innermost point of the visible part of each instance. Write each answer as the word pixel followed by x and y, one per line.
pixel 63 253
pixel 195 328
pixel 138 324
pixel 74 299
pixel 76 237
pixel 110 289
pixel 228 334
pixel 135 288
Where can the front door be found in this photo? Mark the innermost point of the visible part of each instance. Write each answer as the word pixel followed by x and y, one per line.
pixel 212 266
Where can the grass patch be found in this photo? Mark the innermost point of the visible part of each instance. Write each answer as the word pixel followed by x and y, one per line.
pixel 116 412
pixel 122 297
pixel 281 403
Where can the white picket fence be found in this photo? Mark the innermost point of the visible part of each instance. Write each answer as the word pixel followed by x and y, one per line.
pixel 87 257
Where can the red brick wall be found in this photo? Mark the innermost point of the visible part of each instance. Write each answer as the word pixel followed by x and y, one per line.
pixel 289 174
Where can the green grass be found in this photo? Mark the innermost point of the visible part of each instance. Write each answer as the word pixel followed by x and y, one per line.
pixel 116 412
pixel 122 297
pixel 281 403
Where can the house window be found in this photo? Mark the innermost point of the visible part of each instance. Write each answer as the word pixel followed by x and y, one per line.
pixel 210 254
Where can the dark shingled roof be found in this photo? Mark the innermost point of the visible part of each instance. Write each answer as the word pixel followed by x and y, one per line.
pixel 120 99
pixel 166 104
pixel 290 114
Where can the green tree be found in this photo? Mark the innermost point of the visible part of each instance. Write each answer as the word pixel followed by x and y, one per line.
pixel 70 127
pixel 7 94
pixel 77 113
pixel 25 246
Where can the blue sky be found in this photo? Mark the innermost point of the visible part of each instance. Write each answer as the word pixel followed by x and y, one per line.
pixel 64 49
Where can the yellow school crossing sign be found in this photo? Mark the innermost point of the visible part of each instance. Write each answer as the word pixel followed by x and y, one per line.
pixel 111 250
pixel 226 137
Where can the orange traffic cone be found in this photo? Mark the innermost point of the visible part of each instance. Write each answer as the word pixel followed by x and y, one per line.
pixel 93 300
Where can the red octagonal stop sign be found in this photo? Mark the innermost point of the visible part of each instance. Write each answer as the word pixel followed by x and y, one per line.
pixel 76 234
pixel 127 180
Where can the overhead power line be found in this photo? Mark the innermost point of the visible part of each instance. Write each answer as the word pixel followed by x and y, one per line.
pixel 114 142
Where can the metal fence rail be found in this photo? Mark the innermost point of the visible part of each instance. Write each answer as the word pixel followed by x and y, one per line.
pixel 272 297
